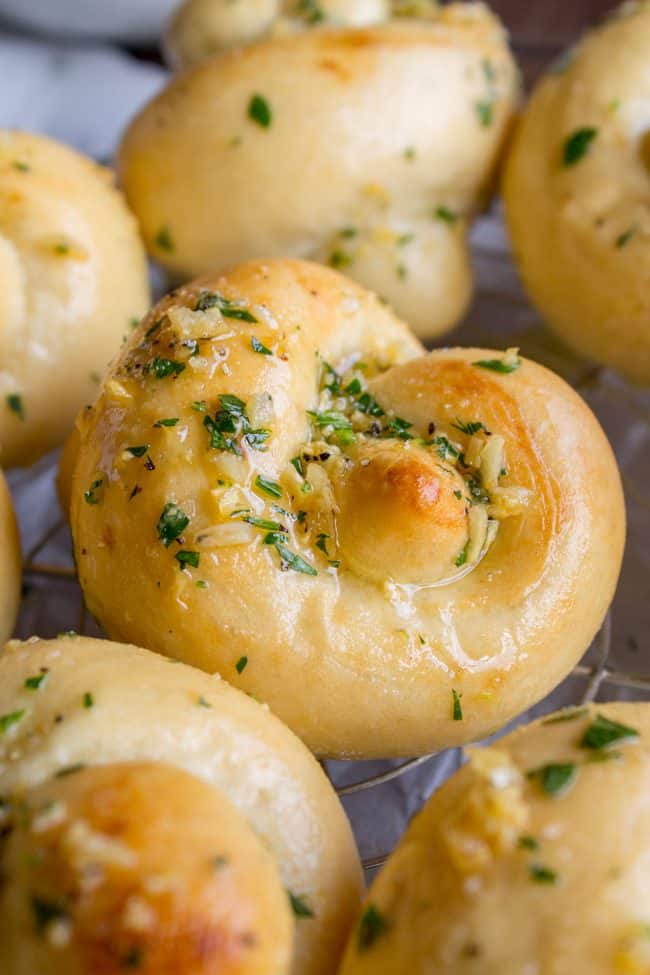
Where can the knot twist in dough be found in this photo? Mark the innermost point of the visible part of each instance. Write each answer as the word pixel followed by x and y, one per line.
pixel 277 484
pixel 162 817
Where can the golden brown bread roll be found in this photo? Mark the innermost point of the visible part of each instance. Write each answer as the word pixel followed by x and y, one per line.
pixel 274 483
pixel 577 194
pixel 73 281
pixel 10 563
pixel 80 702
pixel 138 866
pixel 275 149
pixel 533 858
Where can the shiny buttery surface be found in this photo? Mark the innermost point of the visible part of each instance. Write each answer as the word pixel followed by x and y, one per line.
pixel 587 262
pixel 357 604
pixel 147 708
pixel 73 279
pixel 500 874
pixel 10 563
pixel 311 174
pixel 137 866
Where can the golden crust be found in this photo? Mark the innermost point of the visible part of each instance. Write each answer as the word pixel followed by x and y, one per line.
pixel 10 563
pixel 66 238
pixel 580 230
pixel 183 547
pixel 146 709
pixel 534 857
pixel 138 866
pixel 213 181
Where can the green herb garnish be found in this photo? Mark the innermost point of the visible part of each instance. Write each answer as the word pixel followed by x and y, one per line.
pixel 161 368
pixel 555 779
pixel 259 111
pixel 372 926
pixel 577 145
pixel 170 422
pixel 299 905
pixel 185 558
pixel 138 451
pixel 15 403
pixel 269 487
pixel 33 683
pixel 172 523
pixel 7 721
pixel 542 875
pixel 164 240
pixel 259 347
pixel 485 113
pixel 240 666
pixel 602 733
pixel 94 493
pixel 498 365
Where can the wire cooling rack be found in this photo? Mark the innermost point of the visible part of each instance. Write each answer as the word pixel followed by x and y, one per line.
pixel 381 797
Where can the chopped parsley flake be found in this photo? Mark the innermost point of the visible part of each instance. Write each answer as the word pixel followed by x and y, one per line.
pixel 339 258
pixel 542 875
pixel 172 523
pixel 528 843
pixel 321 542
pixel 259 347
pixel 485 113
pixel 240 666
pixel 138 451
pixel 229 309
pixel 470 428
pixel 625 237
pixel 21 166
pixel 33 683
pixel 185 558
pixel 7 721
pixel 299 905
pixel 290 560
pixel 269 487
pixel 15 403
pixel 461 558
pixel 88 700
pixel 230 426
pixel 161 368
pixel 202 703
pixel 445 214
pixel 69 770
pixel 498 365
pixel 259 111
pixel 94 493
pixel 164 240
pixel 372 926
pixel 577 145
pixel 169 422
pixel 45 912
pixel 457 708
pixel 602 733
pixel 555 779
